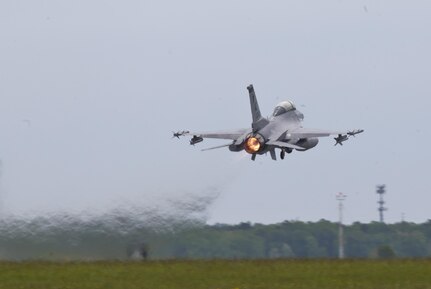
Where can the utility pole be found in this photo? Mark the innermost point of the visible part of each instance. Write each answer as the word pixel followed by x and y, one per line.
pixel 381 190
pixel 340 198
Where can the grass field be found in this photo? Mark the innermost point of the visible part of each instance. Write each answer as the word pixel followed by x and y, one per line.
pixel 316 274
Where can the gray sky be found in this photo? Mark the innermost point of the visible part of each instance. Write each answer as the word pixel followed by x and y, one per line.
pixel 91 91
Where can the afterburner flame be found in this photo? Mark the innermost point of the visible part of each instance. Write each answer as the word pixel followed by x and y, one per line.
pixel 252 145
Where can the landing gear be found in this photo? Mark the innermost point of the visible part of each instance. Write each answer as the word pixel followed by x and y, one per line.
pixel 284 151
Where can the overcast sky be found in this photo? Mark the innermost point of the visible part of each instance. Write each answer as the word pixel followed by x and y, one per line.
pixel 90 92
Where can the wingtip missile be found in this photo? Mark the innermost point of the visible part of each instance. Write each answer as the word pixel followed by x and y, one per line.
pixel 179 133
pixel 355 132
pixel 340 139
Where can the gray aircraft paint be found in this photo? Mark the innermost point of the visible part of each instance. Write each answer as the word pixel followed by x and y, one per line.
pixel 283 130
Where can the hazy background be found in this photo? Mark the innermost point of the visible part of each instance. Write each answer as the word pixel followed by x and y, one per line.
pixel 90 92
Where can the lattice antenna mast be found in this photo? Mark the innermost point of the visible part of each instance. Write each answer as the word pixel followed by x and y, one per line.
pixel 381 190
pixel 340 198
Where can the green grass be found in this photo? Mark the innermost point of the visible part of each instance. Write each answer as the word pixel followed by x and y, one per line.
pixel 318 274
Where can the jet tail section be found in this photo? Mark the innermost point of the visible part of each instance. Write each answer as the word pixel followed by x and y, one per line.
pixel 258 121
pixel 255 111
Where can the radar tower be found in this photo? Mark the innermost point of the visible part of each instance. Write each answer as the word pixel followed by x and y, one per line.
pixel 340 198
pixel 381 190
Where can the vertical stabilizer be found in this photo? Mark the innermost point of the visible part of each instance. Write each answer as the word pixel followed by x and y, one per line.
pixel 258 120
pixel 255 111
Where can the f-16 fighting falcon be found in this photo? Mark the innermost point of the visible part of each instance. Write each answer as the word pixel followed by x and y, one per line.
pixel 283 130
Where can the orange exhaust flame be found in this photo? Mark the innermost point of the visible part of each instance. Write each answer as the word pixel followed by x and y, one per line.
pixel 252 145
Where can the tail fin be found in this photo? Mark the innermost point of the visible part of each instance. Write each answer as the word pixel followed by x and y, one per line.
pixel 258 120
pixel 255 111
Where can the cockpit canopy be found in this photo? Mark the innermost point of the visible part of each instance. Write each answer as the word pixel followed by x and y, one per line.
pixel 283 107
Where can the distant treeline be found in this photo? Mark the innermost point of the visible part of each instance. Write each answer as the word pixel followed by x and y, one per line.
pixel 294 239
pixel 122 237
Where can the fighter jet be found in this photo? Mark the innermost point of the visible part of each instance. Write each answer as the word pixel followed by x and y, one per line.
pixel 283 130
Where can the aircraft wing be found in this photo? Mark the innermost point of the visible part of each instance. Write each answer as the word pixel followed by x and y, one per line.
pixel 310 132
pixel 232 135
